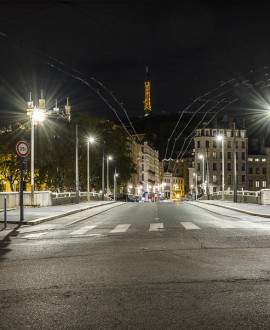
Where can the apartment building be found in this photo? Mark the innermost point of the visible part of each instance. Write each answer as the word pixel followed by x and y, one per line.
pixel 145 182
pixel 208 155
pixel 181 168
pixel 257 177
pixel 172 186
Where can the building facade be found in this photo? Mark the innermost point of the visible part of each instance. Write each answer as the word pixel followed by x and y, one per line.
pixel 172 186
pixel 145 183
pixel 208 158
pixel 257 174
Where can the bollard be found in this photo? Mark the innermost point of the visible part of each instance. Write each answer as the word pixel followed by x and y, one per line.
pixel 5 212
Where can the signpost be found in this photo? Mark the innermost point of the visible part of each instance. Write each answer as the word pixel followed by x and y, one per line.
pixel 23 150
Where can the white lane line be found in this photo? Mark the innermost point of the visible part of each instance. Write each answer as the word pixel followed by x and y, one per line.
pixel 120 228
pixel 82 230
pixel 189 225
pixel 36 235
pixel 156 226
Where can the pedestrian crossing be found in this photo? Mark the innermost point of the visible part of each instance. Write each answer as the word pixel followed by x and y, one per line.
pixel 95 230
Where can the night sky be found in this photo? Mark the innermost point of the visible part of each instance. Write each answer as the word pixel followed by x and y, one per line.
pixel 189 47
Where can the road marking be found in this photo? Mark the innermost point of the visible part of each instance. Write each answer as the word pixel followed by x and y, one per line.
pixel 82 230
pixel 223 224
pixel 156 226
pixel 120 228
pixel 189 225
pixel 36 235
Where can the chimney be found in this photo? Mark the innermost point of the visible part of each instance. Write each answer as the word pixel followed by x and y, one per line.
pixel 231 122
pixel 215 122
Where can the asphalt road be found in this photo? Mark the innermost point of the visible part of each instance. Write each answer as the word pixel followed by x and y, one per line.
pixel 138 266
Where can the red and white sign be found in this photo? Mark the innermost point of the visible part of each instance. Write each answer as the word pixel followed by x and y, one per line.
pixel 22 149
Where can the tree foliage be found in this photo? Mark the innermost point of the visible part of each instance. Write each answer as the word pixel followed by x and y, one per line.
pixel 55 152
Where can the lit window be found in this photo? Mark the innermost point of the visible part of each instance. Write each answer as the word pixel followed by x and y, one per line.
pixel 263 160
pixel 256 159
pixel 257 183
pixel 250 159
pixel 264 183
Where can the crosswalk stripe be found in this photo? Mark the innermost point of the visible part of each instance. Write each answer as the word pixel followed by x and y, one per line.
pixel 120 228
pixel 35 235
pixel 82 230
pixel 156 226
pixel 189 225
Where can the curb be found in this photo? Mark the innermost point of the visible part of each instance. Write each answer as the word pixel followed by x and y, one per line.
pixel 6 232
pixel 60 215
pixel 238 210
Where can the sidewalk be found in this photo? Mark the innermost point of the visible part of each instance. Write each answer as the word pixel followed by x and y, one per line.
pixel 247 208
pixel 33 216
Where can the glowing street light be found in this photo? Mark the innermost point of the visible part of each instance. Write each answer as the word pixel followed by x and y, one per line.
pixel 108 159
pixel 201 156
pixel 37 116
pixel 115 185
pixel 221 138
pixel 195 176
pixel 90 140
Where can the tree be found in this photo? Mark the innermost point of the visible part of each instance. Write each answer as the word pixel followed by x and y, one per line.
pixel 55 144
pixel 10 162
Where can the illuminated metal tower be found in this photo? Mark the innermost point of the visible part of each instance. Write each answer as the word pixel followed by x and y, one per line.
pixel 147 100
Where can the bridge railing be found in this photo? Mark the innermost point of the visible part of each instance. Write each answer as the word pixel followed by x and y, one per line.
pixel 70 197
pixel 244 196
pixel 239 192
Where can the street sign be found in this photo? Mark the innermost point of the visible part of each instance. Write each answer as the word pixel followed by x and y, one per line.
pixel 22 148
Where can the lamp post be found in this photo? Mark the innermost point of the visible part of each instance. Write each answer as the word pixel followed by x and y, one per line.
pixel 201 156
pixel 90 140
pixel 37 116
pixel 108 159
pixel 77 167
pixel 115 185
pixel 195 176
pixel 207 174
pixel 103 172
pixel 234 166
pixel 221 138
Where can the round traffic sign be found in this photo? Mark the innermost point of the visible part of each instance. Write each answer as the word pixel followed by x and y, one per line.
pixel 22 149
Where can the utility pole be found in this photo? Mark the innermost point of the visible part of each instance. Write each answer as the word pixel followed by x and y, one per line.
pixel 207 173
pixel 234 167
pixel 115 186
pixel 77 167
pixel 103 171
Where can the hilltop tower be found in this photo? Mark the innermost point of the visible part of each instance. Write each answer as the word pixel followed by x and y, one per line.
pixel 147 100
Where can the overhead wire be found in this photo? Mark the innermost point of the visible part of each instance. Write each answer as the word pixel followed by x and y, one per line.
pixel 184 111
pixel 243 83
pixel 208 100
pixel 86 83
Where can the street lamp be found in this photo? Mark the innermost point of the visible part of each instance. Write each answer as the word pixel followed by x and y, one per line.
pixel 115 185
pixel 221 138
pixel 90 140
pixel 201 156
pixel 195 176
pixel 37 116
pixel 108 159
